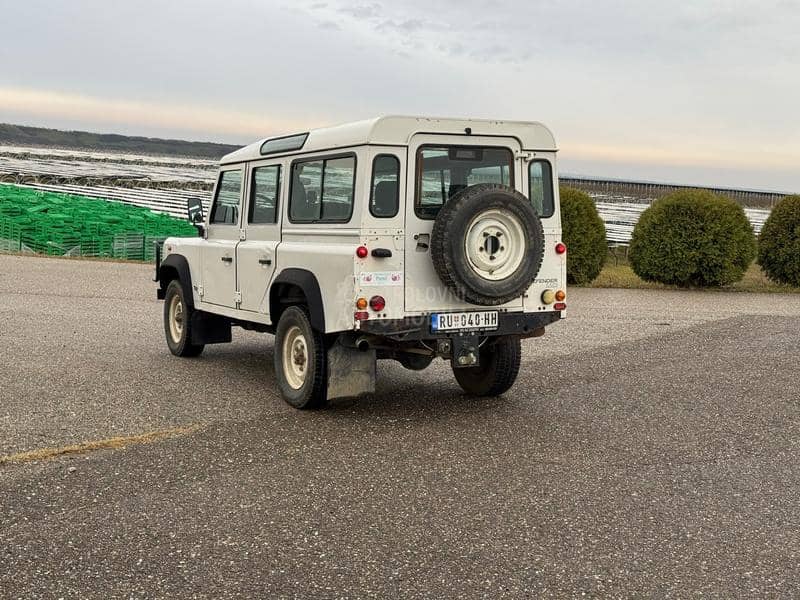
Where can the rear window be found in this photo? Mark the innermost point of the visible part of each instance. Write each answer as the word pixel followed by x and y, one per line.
pixel 443 171
pixel 541 187
pixel 385 193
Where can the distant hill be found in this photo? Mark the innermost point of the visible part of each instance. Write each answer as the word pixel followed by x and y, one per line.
pixel 81 140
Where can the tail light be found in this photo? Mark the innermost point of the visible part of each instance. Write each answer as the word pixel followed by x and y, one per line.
pixel 377 303
pixel 548 297
pixel 361 252
pixel 361 303
pixel 561 295
pixel 560 306
pixel 361 316
pixel 561 248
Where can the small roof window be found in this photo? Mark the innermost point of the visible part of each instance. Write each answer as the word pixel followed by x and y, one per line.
pixel 284 144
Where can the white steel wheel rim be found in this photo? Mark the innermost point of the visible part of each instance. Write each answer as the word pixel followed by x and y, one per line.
pixel 495 244
pixel 176 318
pixel 295 357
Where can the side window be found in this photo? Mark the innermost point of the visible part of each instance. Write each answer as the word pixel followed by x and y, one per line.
pixel 541 187
pixel 304 204
pixel 226 202
pixel 338 179
pixel 266 189
pixel 322 190
pixel 384 199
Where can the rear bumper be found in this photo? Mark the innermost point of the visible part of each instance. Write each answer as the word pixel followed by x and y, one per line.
pixel 419 328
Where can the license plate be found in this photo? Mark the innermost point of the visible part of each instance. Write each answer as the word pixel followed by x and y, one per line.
pixel 464 321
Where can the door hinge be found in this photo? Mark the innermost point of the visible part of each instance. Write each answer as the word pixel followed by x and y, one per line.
pixel 521 154
pixel 200 290
pixel 238 298
pixel 242 235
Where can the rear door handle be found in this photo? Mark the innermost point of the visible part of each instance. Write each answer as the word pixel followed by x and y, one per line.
pixel 227 259
pixel 265 261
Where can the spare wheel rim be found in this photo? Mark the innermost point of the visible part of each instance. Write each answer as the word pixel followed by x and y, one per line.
pixel 295 357
pixel 495 244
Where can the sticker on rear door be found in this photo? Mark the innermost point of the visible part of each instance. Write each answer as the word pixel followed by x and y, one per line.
pixel 381 278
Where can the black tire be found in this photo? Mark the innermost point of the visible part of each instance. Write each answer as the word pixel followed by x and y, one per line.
pixel 498 369
pixel 313 389
pixel 415 362
pixel 178 331
pixel 449 244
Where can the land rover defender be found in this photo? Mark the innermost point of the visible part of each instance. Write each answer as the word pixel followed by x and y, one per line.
pixel 402 238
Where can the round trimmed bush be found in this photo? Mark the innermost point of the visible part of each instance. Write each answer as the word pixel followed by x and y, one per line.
pixel 693 238
pixel 584 234
pixel 779 242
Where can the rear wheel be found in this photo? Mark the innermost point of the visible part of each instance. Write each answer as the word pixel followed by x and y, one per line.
pixel 301 362
pixel 497 371
pixel 178 322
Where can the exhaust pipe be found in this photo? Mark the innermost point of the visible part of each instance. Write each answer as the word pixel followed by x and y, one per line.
pixel 362 343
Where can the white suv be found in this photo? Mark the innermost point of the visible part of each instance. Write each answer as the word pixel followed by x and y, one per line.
pixel 400 237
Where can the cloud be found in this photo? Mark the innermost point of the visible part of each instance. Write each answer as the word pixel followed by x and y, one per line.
pixel 330 25
pixel 631 81
pixel 362 11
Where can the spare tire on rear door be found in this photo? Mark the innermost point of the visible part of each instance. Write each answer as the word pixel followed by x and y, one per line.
pixel 487 244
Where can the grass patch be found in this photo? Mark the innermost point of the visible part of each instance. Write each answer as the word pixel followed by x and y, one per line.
pixel 617 273
pixel 622 276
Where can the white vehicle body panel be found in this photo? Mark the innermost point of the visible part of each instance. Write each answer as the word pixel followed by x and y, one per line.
pixel 329 256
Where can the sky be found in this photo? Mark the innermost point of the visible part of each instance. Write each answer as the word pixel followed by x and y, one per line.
pixel 703 92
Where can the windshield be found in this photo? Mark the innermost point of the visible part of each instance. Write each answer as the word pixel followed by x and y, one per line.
pixel 443 171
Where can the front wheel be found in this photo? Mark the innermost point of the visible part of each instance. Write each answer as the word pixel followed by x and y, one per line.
pixel 178 322
pixel 301 362
pixel 497 371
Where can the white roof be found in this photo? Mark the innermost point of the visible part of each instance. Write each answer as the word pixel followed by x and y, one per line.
pixel 399 130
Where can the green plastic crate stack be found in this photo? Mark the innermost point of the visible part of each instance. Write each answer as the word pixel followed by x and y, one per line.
pixel 129 246
pixel 150 246
pixel 63 224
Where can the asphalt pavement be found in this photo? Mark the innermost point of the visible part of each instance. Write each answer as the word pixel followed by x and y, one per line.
pixel 649 448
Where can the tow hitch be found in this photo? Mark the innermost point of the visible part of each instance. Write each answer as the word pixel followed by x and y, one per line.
pixel 464 350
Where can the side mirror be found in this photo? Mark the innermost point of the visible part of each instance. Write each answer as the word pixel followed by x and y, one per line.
pixel 194 210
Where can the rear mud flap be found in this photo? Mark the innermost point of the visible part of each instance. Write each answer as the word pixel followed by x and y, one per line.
pixel 351 372
pixel 208 328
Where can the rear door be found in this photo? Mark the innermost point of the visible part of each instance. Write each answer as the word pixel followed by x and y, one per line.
pixel 439 167
pixel 218 255
pixel 255 255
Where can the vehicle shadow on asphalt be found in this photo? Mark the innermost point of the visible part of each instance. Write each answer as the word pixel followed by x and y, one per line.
pixel 429 394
